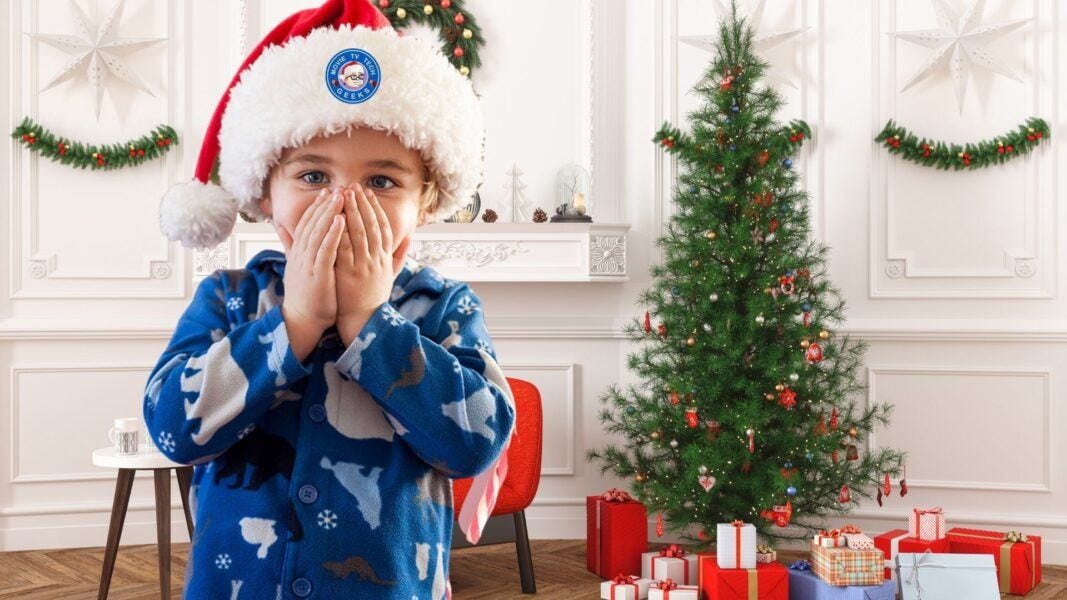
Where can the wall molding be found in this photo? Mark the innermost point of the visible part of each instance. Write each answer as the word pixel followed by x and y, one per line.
pixel 569 429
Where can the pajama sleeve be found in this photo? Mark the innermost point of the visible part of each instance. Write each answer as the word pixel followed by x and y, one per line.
pixel 448 399
pixel 213 383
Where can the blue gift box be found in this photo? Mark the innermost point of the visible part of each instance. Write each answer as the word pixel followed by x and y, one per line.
pixel 806 585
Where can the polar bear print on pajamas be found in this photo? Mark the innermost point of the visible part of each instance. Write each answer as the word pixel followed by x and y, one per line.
pixel 220 386
pixel 351 410
pixel 259 532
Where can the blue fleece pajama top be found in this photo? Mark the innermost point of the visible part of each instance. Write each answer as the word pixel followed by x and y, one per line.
pixel 329 478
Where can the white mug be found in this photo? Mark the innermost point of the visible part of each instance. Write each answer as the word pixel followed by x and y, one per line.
pixel 124 435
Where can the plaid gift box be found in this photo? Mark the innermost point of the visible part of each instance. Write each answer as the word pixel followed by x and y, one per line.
pixel 927 524
pixel 1017 556
pixel 842 566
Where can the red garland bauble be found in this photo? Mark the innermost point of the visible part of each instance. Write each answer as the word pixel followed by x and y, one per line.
pixel 384 4
pixel 457 52
pixel 458 19
pixel 446 3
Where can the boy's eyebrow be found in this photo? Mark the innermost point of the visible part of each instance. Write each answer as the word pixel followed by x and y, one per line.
pixel 388 163
pixel 309 158
pixel 381 163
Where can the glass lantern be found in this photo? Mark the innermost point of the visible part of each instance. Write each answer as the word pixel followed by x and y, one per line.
pixel 467 213
pixel 572 194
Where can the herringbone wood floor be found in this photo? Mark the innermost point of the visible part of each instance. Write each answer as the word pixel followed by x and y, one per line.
pixel 479 573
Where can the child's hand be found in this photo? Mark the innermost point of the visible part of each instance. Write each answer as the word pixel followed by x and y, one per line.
pixel 365 267
pixel 310 288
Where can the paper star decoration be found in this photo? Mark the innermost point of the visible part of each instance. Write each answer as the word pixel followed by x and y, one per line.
pixel 97 52
pixel 958 45
pixel 761 40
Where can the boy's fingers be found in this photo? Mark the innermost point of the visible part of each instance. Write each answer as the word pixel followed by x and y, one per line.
pixel 400 255
pixel 383 223
pixel 286 240
pixel 328 249
pixel 321 226
pixel 370 220
pixel 323 193
pixel 356 230
pixel 344 250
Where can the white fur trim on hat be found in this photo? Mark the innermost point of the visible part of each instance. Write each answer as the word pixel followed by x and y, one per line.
pixel 282 101
pixel 198 215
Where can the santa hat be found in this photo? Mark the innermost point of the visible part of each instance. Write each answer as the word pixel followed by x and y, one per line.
pixel 291 88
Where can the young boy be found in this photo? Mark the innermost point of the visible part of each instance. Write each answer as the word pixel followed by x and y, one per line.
pixel 327 395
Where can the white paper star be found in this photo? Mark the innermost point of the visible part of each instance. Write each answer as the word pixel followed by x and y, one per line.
pixel 761 40
pixel 96 52
pixel 958 45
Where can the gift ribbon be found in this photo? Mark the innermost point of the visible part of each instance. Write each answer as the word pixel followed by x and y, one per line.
pixel 937 522
pixel 666 585
pixel 671 551
pixel 1004 570
pixel 834 534
pixel 800 565
pixel 622 579
pixel 913 577
pixel 616 495
pixel 738 524
pixel 753 584
pixel 850 528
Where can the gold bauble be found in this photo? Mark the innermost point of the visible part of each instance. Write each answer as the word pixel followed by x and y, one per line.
pixel 710 234
pixel 767 291
pixel 401 13
pixel 639 477
pixel 804 343
pixel 769 397
pixel 779 387
pixel 467 34
pixel 654 435
pixel 691 342
pixel 464 70
pixel 427 9
pixel 852 431
pixel 696 264
pixel 824 334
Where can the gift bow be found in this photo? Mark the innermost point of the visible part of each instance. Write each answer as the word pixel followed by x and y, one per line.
pixel 623 578
pixel 929 511
pixel 666 584
pixel 1015 536
pixel 800 565
pixel 763 549
pixel 672 551
pixel 850 528
pixel 616 495
pixel 738 523
pixel 913 577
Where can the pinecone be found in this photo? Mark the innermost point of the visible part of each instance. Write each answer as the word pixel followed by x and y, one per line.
pixel 489 216
pixel 540 216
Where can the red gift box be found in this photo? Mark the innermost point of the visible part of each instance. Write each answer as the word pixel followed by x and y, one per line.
pixel 766 581
pixel 1018 563
pixel 616 533
pixel 895 541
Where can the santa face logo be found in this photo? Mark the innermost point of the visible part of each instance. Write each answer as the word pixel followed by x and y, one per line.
pixel 353 76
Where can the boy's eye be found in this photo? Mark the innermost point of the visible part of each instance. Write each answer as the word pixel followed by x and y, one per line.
pixel 313 177
pixel 380 181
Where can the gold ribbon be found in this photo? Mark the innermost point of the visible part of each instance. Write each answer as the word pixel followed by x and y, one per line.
pixel 1004 572
pixel 753 584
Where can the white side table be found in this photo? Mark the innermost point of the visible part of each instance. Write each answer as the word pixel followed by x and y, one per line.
pixel 160 466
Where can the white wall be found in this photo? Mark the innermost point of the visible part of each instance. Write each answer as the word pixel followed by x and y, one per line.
pixel 969 347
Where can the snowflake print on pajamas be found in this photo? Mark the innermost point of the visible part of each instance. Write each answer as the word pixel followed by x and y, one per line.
pixel 467 306
pixel 483 346
pixel 223 561
pixel 166 441
pixel 390 314
pixel 235 303
pixel 327 519
pixel 247 430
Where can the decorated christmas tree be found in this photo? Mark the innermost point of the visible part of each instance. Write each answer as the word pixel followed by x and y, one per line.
pixel 751 406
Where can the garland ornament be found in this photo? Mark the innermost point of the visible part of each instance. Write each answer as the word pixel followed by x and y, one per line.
pixel 77 154
pixel 460 35
pixel 942 155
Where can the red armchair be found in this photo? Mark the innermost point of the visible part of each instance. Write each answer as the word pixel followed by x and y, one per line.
pixel 524 474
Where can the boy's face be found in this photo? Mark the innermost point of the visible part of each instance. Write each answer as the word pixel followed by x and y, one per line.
pixel 373 158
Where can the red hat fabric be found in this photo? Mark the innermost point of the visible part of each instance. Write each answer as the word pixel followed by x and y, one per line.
pixel 289 90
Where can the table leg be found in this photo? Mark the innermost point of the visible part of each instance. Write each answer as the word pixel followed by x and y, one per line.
pixel 114 531
pixel 163 529
pixel 185 478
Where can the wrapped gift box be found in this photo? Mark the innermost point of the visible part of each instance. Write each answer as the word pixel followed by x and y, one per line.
pixel 625 587
pixel 858 541
pixel 806 585
pixel 765 582
pixel 765 554
pixel 669 590
pixel 670 562
pixel 830 539
pixel 843 566
pixel 926 576
pixel 899 540
pixel 735 545
pixel 1018 563
pixel 616 533
pixel 927 524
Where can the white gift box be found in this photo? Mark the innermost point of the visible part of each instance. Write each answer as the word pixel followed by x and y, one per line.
pixel 625 591
pixel 858 541
pixel 837 540
pixel 681 570
pixel 928 576
pixel 682 592
pixel 726 546
pixel 926 524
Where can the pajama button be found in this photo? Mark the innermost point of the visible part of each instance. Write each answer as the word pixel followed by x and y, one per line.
pixel 317 412
pixel 301 587
pixel 307 494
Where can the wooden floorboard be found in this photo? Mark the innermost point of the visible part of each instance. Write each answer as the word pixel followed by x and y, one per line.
pixel 478 573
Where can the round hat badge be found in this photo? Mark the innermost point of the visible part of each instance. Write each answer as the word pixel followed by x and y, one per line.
pixel 353 75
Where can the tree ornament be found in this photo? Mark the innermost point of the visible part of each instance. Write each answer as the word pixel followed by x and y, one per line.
pixel 673 443
pixel 735 109
pixel 710 235
pixel 787 399
pixel 706 327
pixel 885 485
pixel 427 9
pixel 786 285
pixel 769 397
pixel 702 469
pixel 852 453
pixel 794 377
pixel 707 482
pixel 727 83
pixel 489 216
pixel 824 334
pixel 691 341
pixel 631 410
pixel 904 483
pixel 790 491
pixel 878 497
pixel 659 524
pixel 779 388
pixel 820 427
pixel 746 467
pixel 787 163
pixel 468 34
pixel 691 417
pixel 648 323
pixel 805 343
pixel 845 496
pixel 654 435
pixel 763 157
pixel 662 330
pixel 751 433
pixel 446 4
pixel 695 264
pixel 760 319
pixel 713 297
pixel 702 535
pixel 833 457
pixel 853 432
pixel 674 397
pixel 809 456
pixel 833 419
pixel 401 13
pixel 814 353
pixel 639 477
pixel 714 429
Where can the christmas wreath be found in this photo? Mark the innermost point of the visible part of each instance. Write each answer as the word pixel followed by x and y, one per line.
pixel 935 153
pixel 460 35
pixel 77 154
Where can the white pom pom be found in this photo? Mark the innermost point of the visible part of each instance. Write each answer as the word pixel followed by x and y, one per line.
pixel 198 215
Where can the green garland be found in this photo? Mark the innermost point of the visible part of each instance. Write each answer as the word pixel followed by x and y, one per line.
pixel 114 156
pixel 935 153
pixel 460 35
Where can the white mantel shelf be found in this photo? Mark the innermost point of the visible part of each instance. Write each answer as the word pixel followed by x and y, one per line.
pixel 516 252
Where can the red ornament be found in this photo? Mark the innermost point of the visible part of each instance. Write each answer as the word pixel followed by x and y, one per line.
pixel 691 417
pixel 668 141
pixel 885 485
pixel 703 536
pixel 800 135
pixel 727 83
pixel 833 419
pixel 879 496
pixel 457 52
pixel 845 496
pixel 966 158
pixel 763 157
pixel 674 397
pixel 662 330
pixel 446 3
pixel 648 323
pixel 787 398
pixel 751 440
pixel 926 150
pixel 1010 148
pixel 774 225
pixel 133 153
pixel 458 19
pixel 820 427
pixel 659 524
pixel 833 457
pixel 807 318
pixel 814 353
pixel 904 484
pixel 140 152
